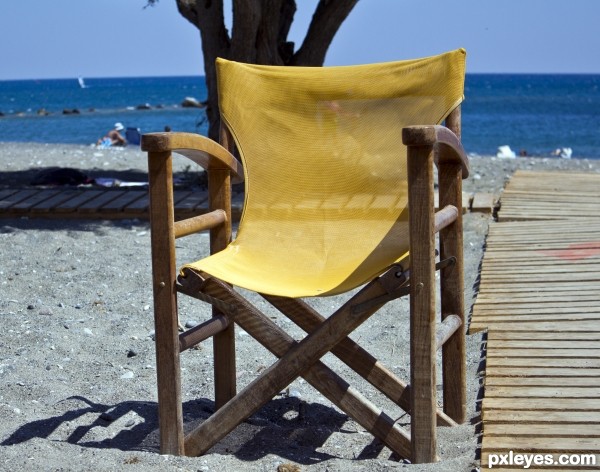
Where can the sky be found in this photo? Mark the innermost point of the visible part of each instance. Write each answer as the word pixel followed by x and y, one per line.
pixel 120 38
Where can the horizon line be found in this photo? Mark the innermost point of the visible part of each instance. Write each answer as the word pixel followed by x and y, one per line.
pixel 168 76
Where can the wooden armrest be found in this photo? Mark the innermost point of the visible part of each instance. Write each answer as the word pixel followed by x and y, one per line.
pixel 203 151
pixel 447 145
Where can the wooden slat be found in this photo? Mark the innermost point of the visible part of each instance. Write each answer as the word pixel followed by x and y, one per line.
pixel 540 335
pixel 121 202
pixel 537 371
pixel 508 416
pixel 571 430
pixel 543 392
pixel 535 353
pixel 11 200
pixel 483 202
pixel 516 443
pixel 557 404
pixel 541 344
pixel 491 381
pixel 48 204
pixel 33 200
pixel 74 203
pixel 100 201
pixel 576 363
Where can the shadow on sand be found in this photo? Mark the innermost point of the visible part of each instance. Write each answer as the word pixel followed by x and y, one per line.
pixel 286 427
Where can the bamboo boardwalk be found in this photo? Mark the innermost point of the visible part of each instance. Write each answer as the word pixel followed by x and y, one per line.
pixel 539 299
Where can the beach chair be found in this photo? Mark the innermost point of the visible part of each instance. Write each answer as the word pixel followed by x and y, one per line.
pixel 133 136
pixel 339 196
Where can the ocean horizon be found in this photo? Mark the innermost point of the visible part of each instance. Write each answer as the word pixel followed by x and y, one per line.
pixel 533 114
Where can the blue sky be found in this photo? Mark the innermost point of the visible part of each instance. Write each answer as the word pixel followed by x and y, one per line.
pixel 113 38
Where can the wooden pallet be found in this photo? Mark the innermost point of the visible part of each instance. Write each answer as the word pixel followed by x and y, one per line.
pixel 113 203
pixel 539 299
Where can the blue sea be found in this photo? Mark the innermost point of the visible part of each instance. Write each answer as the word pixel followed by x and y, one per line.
pixel 532 113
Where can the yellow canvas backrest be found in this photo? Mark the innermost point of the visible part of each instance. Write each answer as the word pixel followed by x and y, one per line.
pixel 324 161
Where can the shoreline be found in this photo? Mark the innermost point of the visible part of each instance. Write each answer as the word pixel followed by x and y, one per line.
pixel 27 158
pixel 77 359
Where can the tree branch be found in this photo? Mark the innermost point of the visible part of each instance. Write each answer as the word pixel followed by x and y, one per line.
pixel 247 16
pixel 267 46
pixel 327 19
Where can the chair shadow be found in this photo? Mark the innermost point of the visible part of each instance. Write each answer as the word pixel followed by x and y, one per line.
pixel 287 427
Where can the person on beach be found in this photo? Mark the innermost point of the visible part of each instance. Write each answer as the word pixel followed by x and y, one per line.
pixel 113 137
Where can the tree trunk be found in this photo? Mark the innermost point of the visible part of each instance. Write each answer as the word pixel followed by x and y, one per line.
pixel 259 35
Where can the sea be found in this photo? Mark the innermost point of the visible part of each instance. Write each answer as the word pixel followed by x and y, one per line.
pixel 533 114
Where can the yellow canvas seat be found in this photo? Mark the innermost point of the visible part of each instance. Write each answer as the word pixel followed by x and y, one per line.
pixel 338 170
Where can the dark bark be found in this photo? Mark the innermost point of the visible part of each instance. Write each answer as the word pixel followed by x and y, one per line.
pixel 259 35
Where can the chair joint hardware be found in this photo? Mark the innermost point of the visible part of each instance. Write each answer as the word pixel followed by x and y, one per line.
pixel 215 302
pixel 398 288
pixel 393 282
pixel 381 300
pixel 449 262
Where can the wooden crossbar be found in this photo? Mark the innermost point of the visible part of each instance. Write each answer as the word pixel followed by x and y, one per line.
pixel 295 359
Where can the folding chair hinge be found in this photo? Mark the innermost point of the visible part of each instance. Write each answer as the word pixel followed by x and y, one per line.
pixel 191 285
pixel 393 282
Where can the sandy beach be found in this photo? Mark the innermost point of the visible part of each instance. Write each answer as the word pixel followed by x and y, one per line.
pixel 77 356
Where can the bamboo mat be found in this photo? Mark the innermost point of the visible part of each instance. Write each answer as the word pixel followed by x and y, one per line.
pixel 539 299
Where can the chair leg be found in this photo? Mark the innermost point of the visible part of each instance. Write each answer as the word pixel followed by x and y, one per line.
pixel 219 190
pixel 452 296
pixel 422 304
pixel 296 359
pixel 170 414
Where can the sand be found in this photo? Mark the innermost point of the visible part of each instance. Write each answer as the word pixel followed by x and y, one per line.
pixel 77 357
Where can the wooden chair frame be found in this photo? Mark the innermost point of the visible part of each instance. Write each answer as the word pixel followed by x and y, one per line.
pixel 426 145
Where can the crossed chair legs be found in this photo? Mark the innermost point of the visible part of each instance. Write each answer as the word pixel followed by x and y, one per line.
pixel 302 359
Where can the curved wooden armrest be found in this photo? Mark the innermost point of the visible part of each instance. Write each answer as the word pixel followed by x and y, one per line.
pixel 203 151
pixel 447 145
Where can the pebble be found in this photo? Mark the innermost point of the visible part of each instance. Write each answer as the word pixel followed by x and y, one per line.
pixel 88 331
pixel 191 324
pixel 127 375
pixel 45 311
pixel 131 353
pixel 107 417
